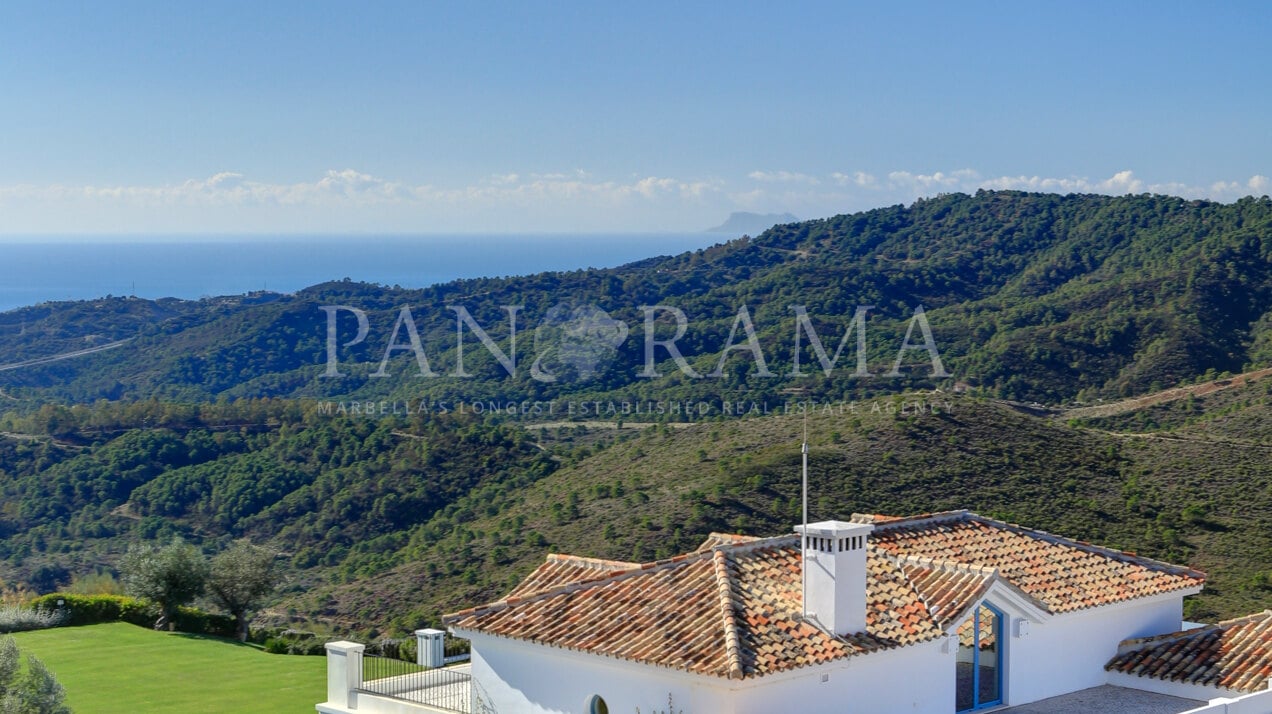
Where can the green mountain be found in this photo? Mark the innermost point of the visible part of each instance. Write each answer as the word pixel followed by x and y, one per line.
pixel 1196 496
pixel 386 523
pixel 1032 297
pixel 127 419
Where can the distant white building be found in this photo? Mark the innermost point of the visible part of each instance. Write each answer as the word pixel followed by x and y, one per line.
pixel 938 613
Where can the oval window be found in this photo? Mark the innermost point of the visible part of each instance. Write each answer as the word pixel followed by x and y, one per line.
pixel 597 705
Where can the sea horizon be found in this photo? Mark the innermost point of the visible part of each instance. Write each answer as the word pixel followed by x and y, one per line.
pixel 53 268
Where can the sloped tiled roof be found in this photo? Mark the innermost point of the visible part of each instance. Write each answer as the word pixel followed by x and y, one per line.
pixel 564 569
pixel 764 587
pixel 949 589
pixel 733 609
pixel 1234 654
pixel 1061 575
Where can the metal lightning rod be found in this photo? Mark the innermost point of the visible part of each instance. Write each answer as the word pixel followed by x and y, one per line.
pixel 803 552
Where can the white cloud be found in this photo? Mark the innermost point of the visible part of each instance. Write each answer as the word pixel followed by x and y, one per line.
pixel 939 181
pixel 352 200
pixel 225 178
pixel 782 177
pixel 1120 183
pixel 858 178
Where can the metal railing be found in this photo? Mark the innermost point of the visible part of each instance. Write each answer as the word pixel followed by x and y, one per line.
pixel 457 650
pixel 445 688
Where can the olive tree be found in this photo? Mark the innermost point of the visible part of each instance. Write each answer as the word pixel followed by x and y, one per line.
pixel 242 575
pixel 35 691
pixel 171 576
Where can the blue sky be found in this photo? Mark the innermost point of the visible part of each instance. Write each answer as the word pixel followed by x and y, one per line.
pixel 423 117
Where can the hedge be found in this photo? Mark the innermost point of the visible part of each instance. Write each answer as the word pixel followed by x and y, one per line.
pixel 93 609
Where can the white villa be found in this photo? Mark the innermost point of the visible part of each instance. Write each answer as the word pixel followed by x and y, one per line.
pixel 936 614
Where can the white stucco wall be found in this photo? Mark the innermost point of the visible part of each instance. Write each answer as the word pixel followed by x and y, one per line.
pixel 521 678
pixel 1256 703
pixel 1068 652
pixel 524 678
pixel 1058 655
pixel 912 680
pixel 1170 688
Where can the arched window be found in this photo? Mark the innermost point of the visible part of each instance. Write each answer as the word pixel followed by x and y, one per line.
pixel 596 705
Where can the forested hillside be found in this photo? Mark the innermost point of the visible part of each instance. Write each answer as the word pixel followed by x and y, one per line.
pixel 1030 296
pixel 1204 501
pixel 212 419
pixel 385 523
pixel 327 491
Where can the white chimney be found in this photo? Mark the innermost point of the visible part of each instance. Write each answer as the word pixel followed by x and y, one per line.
pixel 835 574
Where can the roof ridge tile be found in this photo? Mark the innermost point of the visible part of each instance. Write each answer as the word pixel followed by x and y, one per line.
pixel 589 562
pixel 891 522
pixel 732 639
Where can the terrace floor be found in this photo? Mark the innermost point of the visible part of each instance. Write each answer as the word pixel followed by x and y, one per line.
pixel 1108 700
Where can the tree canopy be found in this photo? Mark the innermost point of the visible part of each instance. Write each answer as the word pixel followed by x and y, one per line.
pixel 241 576
pixel 171 576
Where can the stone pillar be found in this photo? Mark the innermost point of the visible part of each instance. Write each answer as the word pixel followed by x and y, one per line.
pixel 430 648
pixel 344 672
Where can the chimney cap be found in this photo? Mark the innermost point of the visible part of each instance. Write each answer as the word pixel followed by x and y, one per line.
pixel 835 529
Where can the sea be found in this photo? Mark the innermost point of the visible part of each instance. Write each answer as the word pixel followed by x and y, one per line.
pixel 34 270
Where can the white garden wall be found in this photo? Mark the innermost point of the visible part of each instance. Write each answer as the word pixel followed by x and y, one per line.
pixel 1256 703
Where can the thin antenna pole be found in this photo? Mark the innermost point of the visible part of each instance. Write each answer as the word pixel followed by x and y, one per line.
pixel 803 553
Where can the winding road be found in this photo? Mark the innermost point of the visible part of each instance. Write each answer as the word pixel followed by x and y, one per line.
pixel 62 356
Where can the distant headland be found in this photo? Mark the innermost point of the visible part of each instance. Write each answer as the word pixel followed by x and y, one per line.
pixel 751 223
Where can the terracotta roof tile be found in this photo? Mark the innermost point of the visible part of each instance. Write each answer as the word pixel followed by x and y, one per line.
pixel 1061 574
pixel 564 569
pixel 949 589
pixel 1234 654
pixel 716 539
pixel 667 614
pixel 733 608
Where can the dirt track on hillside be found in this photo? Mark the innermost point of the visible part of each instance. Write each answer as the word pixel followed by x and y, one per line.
pixel 1169 395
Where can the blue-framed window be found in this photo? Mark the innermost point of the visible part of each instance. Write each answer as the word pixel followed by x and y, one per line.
pixel 980 660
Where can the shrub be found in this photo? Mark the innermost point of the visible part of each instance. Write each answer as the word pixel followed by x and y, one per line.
pixel 86 609
pixel 276 645
pixel 190 619
pixel 296 644
pixel 408 649
pixel 35 691
pixel 96 583
pixel 15 618
pixel 94 609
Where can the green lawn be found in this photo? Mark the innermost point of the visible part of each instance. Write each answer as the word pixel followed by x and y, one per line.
pixel 123 668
